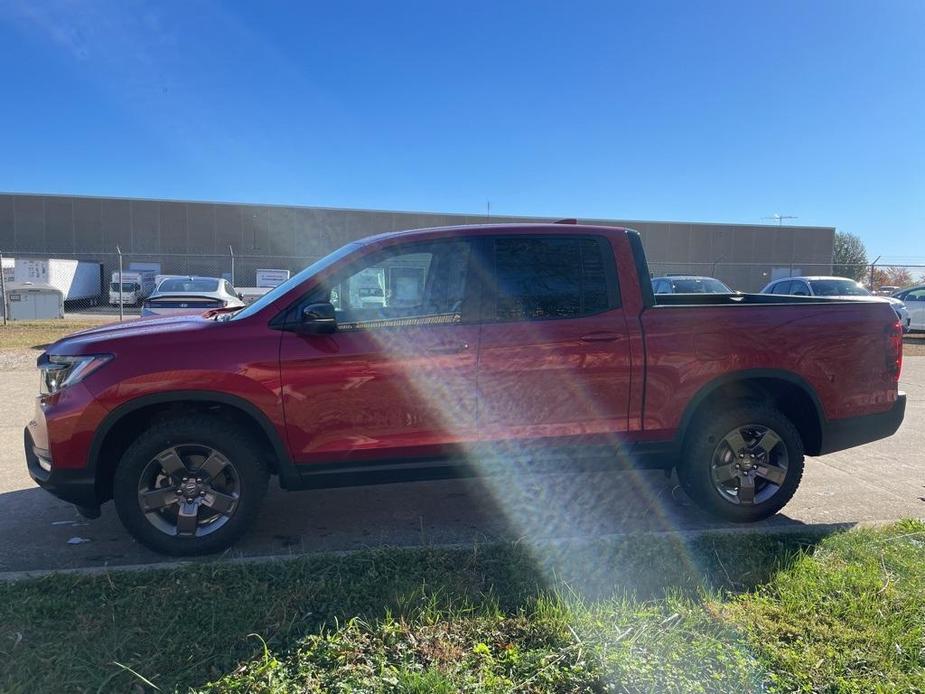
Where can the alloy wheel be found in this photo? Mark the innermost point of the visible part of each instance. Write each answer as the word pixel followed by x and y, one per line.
pixel 189 490
pixel 749 465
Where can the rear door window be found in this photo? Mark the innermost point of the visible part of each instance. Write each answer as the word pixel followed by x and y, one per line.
pixel 548 277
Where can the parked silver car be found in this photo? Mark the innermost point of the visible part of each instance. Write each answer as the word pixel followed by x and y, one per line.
pixel 914 299
pixel 841 287
pixel 689 284
pixel 182 295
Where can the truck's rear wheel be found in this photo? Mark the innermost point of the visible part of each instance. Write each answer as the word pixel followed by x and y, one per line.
pixel 190 485
pixel 742 465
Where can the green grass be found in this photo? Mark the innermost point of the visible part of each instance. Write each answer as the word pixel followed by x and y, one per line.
pixel 723 612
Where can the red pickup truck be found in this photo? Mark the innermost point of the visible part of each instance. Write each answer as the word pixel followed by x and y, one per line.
pixel 441 352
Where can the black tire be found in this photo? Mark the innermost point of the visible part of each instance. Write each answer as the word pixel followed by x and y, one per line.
pixel 706 454
pixel 243 463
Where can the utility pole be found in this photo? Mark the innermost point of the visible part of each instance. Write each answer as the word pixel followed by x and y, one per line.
pixel 3 289
pixel 488 211
pixel 873 267
pixel 121 296
pixel 231 251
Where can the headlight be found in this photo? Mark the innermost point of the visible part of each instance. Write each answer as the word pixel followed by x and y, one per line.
pixel 59 372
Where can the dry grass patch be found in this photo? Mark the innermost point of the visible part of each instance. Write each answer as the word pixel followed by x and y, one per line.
pixel 914 345
pixel 37 334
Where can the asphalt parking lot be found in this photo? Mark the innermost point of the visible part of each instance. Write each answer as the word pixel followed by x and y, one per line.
pixel 879 482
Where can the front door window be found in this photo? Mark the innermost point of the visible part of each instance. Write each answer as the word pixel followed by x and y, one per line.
pixel 423 284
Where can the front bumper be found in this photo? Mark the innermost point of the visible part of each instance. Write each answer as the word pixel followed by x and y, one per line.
pixel 76 486
pixel 839 434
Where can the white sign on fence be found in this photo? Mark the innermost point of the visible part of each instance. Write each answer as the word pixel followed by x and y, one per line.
pixel 9 269
pixel 271 278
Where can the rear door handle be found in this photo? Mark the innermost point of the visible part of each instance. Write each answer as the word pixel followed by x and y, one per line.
pixel 449 349
pixel 601 337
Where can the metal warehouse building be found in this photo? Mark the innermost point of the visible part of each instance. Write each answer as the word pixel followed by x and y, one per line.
pixel 194 237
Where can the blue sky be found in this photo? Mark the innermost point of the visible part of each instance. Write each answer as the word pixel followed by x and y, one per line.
pixel 715 111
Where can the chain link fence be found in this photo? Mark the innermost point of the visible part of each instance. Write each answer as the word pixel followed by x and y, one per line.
pixel 753 277
pixel 900 276
pixel 743 277
pixel 116 283
pixel 89 283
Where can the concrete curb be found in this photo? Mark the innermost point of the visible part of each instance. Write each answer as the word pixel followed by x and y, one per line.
pixel 794 529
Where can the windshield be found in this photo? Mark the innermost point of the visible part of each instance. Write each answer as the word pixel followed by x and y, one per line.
pixel 837 288
pixel 699 286
pixel 126 286
pixel 296 280
pixel 188 285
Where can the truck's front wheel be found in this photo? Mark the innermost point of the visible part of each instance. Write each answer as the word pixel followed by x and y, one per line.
pixel 742 465
pixel 190 485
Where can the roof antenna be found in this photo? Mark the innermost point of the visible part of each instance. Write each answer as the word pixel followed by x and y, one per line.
pixel 779 218
pixel 567 220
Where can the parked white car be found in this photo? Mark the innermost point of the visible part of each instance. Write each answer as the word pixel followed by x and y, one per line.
pixel 184 295
pixel 914 300
pixel 840 287
pixel 689 284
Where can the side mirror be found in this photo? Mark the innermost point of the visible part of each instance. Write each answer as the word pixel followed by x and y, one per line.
pixel 318 319
pixel 241 296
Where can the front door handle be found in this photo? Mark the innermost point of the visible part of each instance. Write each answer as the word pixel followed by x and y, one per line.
pixel 449 349
pixel 601 337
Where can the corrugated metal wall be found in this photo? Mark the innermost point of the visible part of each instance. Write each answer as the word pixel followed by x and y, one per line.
pixel 193 237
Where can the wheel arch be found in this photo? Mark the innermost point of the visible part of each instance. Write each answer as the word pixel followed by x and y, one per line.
pixel 786 390
pixel 129 418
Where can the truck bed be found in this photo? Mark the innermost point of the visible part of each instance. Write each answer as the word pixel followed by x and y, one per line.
pixel 838 347
pixel 755 299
